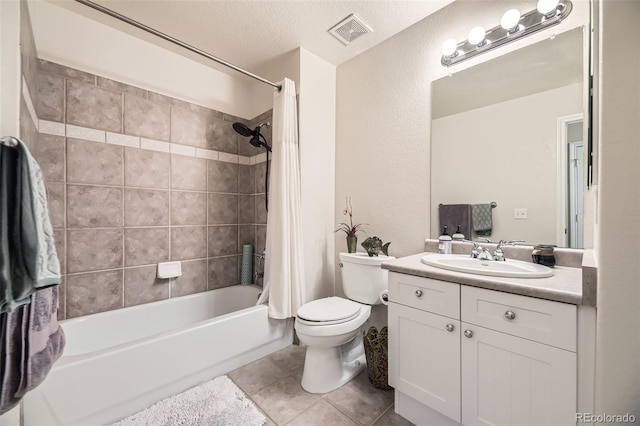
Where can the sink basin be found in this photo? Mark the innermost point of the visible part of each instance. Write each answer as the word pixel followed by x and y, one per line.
pixel 508 268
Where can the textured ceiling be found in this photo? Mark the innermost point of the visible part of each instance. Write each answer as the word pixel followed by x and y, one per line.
pixel 252 33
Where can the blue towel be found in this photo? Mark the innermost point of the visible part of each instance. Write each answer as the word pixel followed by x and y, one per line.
pixel 28 258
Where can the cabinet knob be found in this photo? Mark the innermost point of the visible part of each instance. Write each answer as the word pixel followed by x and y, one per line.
pixel 418 293
pixel 510 315
pixel 468 334
pixel 450 328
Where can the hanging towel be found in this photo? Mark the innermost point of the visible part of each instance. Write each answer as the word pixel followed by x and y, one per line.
pixel 28 258
pixel 482 220
pixel 31 341
pixel 452 215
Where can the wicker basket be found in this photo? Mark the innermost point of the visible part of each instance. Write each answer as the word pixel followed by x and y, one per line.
pixel 376 350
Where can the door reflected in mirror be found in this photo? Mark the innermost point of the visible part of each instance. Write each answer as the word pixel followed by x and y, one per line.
pixel 511 131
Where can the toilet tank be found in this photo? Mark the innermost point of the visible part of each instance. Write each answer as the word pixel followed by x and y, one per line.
pixel 362 277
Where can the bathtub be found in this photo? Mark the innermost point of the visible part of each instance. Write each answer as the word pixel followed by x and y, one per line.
pixel 119 362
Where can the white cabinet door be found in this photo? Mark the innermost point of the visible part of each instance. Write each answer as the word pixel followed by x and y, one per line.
pixel 424 358
pixel 507 380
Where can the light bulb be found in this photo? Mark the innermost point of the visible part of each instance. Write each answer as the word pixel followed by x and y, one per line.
pixel 449 48
pixel 510 20
pixel 476 35
pixel 547 7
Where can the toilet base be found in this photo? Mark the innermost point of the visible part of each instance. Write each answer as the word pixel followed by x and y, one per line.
pixel 326 369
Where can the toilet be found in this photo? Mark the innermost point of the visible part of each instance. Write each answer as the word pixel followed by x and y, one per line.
pixel 332 327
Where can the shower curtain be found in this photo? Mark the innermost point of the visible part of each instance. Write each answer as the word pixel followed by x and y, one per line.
pixel 284 266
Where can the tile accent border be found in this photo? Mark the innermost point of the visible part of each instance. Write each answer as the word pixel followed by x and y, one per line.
pixel 78 132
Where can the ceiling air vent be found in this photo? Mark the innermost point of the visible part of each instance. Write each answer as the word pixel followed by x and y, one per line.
pixel 349 29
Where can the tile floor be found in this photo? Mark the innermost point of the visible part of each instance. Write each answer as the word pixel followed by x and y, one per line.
pixel 273 383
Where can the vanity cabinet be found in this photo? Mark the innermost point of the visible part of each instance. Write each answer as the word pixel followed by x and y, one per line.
pixel 482 357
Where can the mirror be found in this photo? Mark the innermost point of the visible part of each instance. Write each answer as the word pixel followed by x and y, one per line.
pixel 510 131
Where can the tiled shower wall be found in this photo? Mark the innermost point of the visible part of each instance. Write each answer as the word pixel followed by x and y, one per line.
pixel 28 117
pixel 135 178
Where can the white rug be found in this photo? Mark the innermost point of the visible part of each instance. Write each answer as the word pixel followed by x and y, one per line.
pixel 218 402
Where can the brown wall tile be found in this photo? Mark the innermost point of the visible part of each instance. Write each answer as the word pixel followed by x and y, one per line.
pixel 223 209
pixel 28 130
pixel 120 87
pixel 94 107
pixel 222 176
pixel 94 249
pixel 93 206
pixel 188 243
pixel 55 204
pixel 93 162
pixel 188 128
pixel 192 280
pixel 246 179
pixel 246 235
pixel 50 97
pixel 144 207
pixel 223 272
pixel 61 249
pixel 49 154
pixel 188 208
pixel 141 285
pixel 221 136
pixel 260 170
pixel 146 169
pixel 61 70
pixel 93 293
pixel 62 299
pixel 188 173
pixel 223 240
pixel 261 238
pixel 261 209
pixel 144 246
pixel 247 209
pixel 146 118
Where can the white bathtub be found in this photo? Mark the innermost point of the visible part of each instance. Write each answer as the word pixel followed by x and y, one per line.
pixel 119 362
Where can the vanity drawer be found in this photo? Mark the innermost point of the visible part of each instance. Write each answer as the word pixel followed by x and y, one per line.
pixel 434 296
pixel 544 321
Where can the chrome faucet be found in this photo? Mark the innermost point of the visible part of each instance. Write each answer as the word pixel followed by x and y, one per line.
pixel 479 252
pixel 498 254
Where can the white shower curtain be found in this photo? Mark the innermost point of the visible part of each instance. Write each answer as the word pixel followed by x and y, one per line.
pixel 284 266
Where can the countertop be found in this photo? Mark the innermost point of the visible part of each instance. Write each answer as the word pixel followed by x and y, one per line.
pixel 566 284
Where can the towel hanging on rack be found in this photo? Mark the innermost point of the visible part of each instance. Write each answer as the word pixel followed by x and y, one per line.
pixel 28 258
pixel 482 219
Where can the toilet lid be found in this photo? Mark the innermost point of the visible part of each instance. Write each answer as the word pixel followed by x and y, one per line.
pixel 332 309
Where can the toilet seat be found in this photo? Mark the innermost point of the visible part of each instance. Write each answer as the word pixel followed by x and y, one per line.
pixel 328 311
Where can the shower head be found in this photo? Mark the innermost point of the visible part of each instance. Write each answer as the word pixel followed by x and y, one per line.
pixel 242 129
pixel 255 134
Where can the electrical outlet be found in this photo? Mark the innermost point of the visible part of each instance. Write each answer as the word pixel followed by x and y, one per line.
pixel 519 213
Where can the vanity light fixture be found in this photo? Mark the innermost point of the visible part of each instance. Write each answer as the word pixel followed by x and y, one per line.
pixel 512 27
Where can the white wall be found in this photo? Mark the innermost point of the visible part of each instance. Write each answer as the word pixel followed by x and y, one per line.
pixel 10 83
pixel 507 153
pixel 317 163
pixel 69 38
pixel 383 119
pixel 618 235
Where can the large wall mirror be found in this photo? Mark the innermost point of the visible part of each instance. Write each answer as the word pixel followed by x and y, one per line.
pixel 510 131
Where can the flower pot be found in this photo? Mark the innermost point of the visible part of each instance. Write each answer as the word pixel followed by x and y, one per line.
pixel 352 244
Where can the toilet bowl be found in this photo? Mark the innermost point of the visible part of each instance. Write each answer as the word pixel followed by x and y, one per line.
pixel 332 327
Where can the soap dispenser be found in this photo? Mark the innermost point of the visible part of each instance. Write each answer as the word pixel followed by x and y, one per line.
pixel 458 236
pixel 444 242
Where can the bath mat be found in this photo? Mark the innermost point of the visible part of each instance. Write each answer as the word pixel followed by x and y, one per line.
pixel 218 402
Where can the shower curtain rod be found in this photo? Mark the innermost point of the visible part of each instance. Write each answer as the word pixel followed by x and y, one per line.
pixel 166 37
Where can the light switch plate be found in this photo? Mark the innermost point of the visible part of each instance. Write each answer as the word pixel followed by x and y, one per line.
pixel 520 213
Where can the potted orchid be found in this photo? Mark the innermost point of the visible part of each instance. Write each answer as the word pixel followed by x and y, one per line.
pixel 349 228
